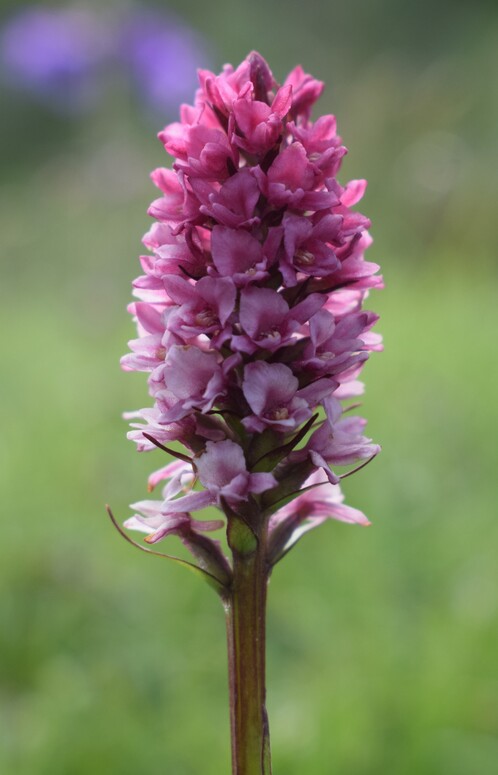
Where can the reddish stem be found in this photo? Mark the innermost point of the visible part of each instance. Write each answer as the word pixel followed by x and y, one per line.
pixel 246 630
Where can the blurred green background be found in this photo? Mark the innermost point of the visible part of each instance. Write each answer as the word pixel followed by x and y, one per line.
pixel 383 643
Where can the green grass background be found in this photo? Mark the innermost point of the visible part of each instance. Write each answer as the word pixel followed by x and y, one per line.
pixel 383 642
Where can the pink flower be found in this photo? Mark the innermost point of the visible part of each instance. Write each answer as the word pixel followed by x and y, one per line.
pixel 203 309
pixel 222 470
pixel 318 137
pixel 194 379
pixel 267 320
pixel 239 255
pixel 272 392
pixel 221 91
pixel 334 347
pixel 309 246
pixel 250 315
pixel 177 204
pixel 233 204
pixel 256 125
pixel 339 441
pixel 319 502
pixel 295 181
pixel 305 92
pixel 201 152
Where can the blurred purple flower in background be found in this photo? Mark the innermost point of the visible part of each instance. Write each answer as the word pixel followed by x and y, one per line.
pixel 55 54
pixel 59 55
pixel 162 53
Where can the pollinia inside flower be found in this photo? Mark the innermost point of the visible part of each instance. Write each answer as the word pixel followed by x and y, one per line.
pixel 250 320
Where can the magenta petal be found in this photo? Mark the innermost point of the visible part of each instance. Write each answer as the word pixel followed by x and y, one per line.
pixel 320 462
pixel 167 471
pixel 234 252
pixel 305 91
pixel 222 462
pixel 188 371
pixel 268 386
pixel 220 294
pixel 261 310
pixel 261 482
pixel 149 317
pixel 194 501
pixel 353 192
pixel 179 289
pixel 282 101
pixel 345 513
pixel 292 169
pixel 168 528
pixel 314 393
pixel 307 309
pixel 222 470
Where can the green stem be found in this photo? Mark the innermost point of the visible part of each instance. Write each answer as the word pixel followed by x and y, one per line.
pixel 246 630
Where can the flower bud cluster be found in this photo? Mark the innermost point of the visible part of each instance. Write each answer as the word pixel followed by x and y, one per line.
pixel 250 313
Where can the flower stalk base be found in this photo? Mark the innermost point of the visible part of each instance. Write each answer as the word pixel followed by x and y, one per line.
pixel 245 608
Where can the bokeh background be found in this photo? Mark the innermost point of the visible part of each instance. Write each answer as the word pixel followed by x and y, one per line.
pixel 383 643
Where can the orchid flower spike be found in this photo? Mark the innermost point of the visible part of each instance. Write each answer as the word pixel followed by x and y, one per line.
pixel 250 316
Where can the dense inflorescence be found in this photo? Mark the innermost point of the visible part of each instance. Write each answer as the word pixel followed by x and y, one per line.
pixel 250 316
